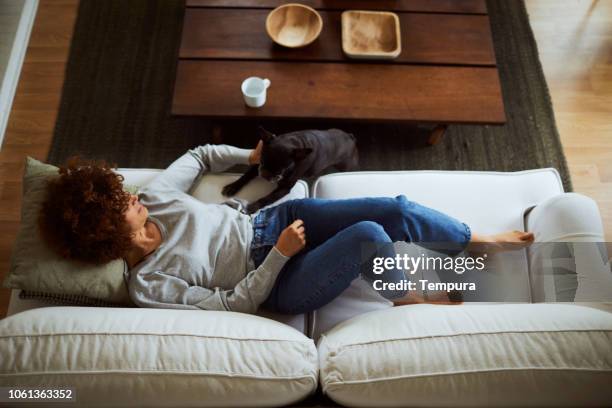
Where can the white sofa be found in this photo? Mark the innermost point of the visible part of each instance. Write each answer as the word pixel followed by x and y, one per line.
pixel 500 354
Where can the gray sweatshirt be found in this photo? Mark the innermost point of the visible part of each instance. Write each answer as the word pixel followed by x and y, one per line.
pixel 203 261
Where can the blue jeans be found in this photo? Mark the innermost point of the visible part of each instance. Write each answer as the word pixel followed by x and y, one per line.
pixel 334 254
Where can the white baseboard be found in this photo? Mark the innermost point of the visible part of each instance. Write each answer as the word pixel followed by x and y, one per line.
pixel 8 84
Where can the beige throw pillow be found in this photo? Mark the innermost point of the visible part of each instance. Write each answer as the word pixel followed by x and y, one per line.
pixel 36 268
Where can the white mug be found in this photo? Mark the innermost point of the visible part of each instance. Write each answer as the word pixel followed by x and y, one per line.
pixel 254 91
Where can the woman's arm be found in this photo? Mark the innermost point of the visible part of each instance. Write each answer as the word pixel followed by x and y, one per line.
pixel 157 289
pixel 187 169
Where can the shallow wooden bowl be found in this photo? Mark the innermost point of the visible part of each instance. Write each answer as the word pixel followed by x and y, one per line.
pixel 294 25
pixel 371 34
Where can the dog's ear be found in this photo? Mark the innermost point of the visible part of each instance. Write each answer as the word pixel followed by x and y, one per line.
pixel 300 154
pixel 265 135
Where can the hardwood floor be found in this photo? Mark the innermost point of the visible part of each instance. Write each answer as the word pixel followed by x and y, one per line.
pixel 575 42
pixel 33 114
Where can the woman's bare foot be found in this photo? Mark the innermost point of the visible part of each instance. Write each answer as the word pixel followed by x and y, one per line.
pixel 505 241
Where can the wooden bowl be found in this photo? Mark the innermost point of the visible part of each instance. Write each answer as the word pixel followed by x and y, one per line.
pixel 371 34
pixel 294 25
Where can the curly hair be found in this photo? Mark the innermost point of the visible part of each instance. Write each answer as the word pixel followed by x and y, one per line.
pixel 82 217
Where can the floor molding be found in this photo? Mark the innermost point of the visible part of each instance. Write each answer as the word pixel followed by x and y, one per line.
pixel 8 85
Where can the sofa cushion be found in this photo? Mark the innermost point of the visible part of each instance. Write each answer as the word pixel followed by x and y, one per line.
pixel 207 190
pixel 154 357
pixel 487 201
pixel 470 355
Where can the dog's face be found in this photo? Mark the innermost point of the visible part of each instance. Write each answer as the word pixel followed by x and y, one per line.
pixel 277 159
pixel 276 162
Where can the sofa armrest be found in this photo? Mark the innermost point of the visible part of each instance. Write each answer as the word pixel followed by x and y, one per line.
pixel 157 357
pixel 569 260
pixel 566 217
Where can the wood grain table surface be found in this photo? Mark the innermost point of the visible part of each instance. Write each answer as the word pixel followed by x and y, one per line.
pixel 446 72
pixel 428 6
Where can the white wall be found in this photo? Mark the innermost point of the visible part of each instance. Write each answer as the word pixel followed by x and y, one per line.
pixel 16 20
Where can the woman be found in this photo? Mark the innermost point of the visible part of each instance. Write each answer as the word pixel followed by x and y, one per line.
pixel 182 253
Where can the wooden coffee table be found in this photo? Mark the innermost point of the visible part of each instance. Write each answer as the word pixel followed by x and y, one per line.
pixel 446 73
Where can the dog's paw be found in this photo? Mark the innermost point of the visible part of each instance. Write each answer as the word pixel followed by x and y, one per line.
pixel 230 190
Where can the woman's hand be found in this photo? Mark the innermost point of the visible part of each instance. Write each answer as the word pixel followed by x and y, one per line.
pixel 255 156
pixel 292 239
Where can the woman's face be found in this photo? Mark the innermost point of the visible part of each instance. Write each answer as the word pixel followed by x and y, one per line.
pixel 136 214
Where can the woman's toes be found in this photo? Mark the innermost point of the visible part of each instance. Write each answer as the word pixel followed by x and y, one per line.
pixel 509 241
pixel 528 236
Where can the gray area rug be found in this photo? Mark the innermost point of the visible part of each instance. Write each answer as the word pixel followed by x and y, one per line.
pixel 118 89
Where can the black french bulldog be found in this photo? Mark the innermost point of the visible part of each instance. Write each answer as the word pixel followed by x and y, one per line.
pixel 291 156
